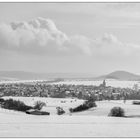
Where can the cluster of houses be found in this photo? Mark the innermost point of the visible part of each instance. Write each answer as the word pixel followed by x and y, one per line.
pixel 39 89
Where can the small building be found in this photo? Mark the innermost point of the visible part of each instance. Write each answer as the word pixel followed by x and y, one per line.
pixel 116 95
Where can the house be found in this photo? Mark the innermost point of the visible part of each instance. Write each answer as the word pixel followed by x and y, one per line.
pixel 116 95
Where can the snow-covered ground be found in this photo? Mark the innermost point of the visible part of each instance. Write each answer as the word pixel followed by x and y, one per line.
pixel 91 123
pixel 23 81
pixel 113 83
pixel 51 103
pixel 103 108
pixel 14 125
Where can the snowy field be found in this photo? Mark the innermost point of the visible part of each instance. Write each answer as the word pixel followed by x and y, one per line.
pixel 113 83
pixel 91 123
pixel 17 125
pixel 22 81
pixel 51 103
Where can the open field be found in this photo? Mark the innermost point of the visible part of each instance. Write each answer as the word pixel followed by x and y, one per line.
pixel 90 123
pixel 51 103
pixel 22 81
pixel 15 125
pixel 102 109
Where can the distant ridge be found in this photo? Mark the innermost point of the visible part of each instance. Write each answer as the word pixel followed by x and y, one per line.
pixel 22 75
pixel 120 75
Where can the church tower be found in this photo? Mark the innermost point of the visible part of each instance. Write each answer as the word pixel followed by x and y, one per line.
pixel 104 83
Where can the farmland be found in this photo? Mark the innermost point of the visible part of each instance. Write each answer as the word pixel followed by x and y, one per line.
pixel 90 123
pixel 93 122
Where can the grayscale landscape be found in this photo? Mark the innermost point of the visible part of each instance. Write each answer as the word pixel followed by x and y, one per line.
pixel 69 70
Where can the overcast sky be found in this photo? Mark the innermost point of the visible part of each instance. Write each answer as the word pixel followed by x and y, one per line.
pixel 94 38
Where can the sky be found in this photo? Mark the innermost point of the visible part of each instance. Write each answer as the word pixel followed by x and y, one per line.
pixel 91 38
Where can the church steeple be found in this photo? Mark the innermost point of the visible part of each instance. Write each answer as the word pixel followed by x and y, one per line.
pixel 104 83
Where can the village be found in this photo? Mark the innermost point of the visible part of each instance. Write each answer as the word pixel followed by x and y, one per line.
pixel 42 89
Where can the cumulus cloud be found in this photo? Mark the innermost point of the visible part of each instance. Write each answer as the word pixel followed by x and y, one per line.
pixel 38 34
pixel 42 35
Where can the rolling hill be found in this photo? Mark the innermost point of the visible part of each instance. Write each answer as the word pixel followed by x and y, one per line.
pixel 120 75
pixel 21 75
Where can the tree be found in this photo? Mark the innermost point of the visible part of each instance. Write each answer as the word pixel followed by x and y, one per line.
pixel 117 112
pixel 135 87
pixel 39 105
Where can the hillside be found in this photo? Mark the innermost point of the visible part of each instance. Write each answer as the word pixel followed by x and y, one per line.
pixel 22 75
pixel 120 75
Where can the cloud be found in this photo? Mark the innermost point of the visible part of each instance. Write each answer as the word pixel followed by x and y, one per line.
pixel 42 36
pixel 111 45
pixel 38 34
pixel 124 10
